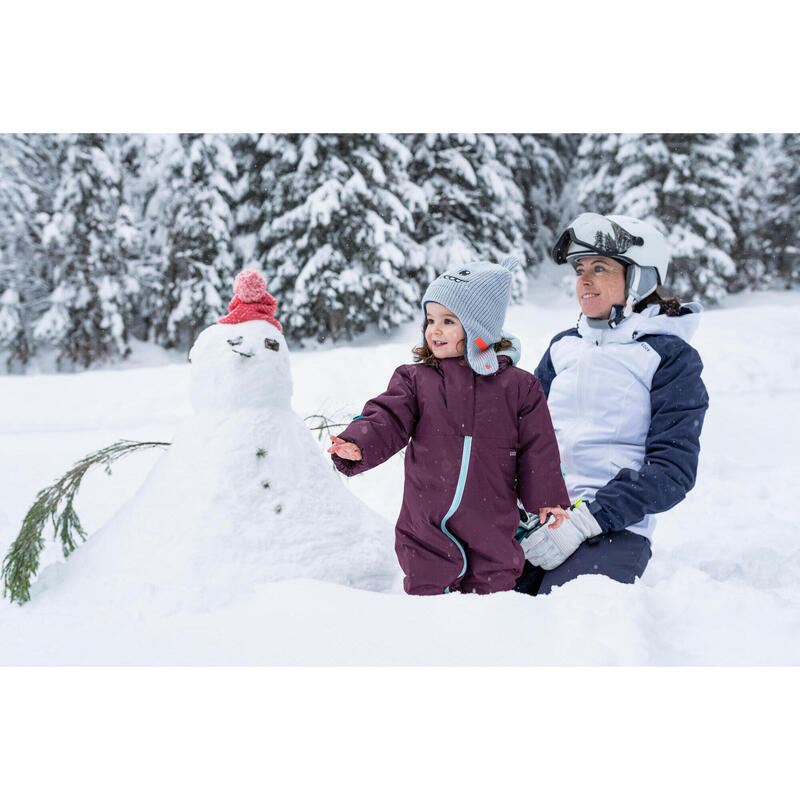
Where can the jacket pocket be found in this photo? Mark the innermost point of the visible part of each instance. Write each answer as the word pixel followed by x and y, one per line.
pixel 506 458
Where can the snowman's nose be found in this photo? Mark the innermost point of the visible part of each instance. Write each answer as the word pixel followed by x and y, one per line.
pixel 234 342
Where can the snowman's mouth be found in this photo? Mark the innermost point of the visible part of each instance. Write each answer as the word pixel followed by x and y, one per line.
pixel 245 355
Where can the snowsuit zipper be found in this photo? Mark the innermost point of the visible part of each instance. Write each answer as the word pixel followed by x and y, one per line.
pixel 462 479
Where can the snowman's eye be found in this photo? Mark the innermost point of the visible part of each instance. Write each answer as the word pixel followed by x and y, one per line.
pixel 234 342
pixel 464 272
pixel 271 344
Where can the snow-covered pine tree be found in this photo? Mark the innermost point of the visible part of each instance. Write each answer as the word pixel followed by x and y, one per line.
pixel 91 239
pixel 781 236
pixel 597 168
pixel 28 181
pixel 189 226
pixel 336 242
pixel 754 156
pixel 258 160
pixel 682 183
pixel 13 336
pixel 540 167
pixel 139 156
pixel 742 146
pixel 697 205
pixel 471 206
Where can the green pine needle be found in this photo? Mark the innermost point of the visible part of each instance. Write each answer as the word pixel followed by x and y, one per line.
pixel 54 504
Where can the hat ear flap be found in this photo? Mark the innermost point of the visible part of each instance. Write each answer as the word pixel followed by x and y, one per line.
pixel 482 360
pixel 510 263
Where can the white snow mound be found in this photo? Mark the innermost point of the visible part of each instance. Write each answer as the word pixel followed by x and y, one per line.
pixel 243 496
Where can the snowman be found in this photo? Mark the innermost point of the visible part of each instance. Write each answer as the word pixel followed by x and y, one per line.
pixel 243 496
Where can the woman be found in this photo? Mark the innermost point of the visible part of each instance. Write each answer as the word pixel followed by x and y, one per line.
pixel 627 403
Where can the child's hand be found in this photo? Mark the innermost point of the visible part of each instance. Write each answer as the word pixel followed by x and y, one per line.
pixel 343 449
pixel 559 514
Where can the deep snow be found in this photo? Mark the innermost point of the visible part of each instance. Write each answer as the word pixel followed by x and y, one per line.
pixel 723 586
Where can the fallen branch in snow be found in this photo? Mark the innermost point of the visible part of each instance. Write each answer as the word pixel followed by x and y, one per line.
pixel 54 503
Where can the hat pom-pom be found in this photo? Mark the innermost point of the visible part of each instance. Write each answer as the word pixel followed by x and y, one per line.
pixel 510 263
pixel 250 286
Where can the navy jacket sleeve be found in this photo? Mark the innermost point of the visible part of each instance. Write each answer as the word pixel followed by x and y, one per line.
pixel 545 372
pixel 678 402
pixel 384 426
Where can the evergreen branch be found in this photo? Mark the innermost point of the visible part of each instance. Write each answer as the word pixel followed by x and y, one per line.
pixel 55 504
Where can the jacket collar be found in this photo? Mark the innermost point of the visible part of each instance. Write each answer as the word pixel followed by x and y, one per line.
pixel 647 322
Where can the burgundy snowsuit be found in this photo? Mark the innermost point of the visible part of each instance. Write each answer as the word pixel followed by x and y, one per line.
pixel 471 436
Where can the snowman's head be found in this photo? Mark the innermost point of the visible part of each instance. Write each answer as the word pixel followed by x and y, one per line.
pixel 240 366
pixel 242 361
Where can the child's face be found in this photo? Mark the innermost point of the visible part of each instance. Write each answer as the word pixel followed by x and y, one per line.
pixel 444 334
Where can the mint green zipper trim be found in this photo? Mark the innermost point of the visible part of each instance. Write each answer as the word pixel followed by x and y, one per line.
pixel 462 480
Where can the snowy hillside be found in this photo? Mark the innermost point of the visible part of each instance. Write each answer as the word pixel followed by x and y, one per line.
pixel 723 586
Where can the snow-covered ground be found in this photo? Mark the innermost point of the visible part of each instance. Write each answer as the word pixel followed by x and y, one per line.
pixel 723 586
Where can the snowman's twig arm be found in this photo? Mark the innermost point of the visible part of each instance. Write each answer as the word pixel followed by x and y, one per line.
pixel 326 424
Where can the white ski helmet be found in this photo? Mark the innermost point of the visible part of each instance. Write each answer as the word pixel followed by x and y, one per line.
pixel 626 239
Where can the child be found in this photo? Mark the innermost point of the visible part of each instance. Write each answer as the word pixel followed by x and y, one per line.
pixel 480 436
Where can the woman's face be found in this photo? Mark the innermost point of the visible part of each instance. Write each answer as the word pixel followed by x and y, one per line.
pixel 600 284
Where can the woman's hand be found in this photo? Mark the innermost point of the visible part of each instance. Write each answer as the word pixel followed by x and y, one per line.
pixel 343 449
pixel 559 514
pixel 548 550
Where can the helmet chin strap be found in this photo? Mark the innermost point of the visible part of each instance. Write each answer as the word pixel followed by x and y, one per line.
pixel 618 314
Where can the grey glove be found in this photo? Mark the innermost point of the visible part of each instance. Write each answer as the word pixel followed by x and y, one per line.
pixel 547 549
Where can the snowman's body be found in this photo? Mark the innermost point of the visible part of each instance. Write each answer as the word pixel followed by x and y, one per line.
pixel 243 496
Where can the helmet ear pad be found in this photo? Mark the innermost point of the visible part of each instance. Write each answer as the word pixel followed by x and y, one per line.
pixel 640 282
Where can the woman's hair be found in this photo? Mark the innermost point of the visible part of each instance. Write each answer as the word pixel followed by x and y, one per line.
pixel 423 354
pixel 671 306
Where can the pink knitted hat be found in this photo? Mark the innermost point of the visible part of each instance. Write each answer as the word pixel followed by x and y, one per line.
pixel 251 300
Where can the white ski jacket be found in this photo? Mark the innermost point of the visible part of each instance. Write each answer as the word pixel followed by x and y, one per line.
pixel 627 405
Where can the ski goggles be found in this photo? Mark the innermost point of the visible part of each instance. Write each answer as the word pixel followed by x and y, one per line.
pixel 596 234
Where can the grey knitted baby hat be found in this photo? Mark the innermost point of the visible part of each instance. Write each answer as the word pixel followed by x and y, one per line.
pixel 477 294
